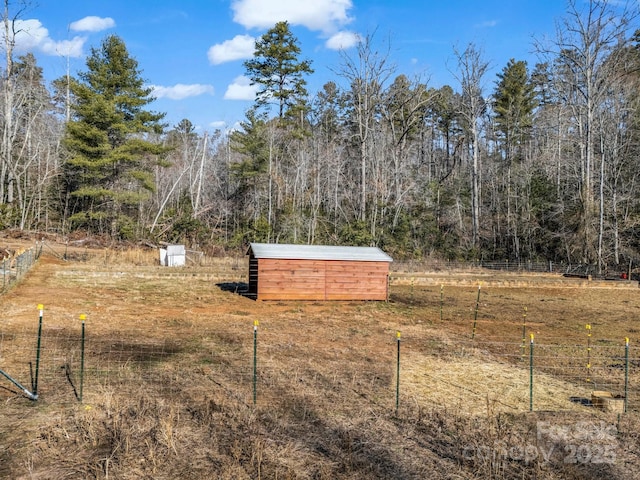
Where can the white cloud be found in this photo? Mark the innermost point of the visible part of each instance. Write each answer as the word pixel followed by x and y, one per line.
pixel 72 48
pixel 32 36
pixel 241 89
pixel 240 47
pixel 342 40
pixel 218 125
pixel 487 24
pixel 92 24
pixel 326 16
pixel 181 91
pixel 237 126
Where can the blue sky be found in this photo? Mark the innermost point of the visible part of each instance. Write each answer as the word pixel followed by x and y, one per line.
pixel 192 51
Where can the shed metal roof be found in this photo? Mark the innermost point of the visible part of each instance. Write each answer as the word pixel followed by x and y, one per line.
pixel 318 252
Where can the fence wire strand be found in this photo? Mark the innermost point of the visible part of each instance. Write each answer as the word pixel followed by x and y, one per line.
pixel 480 377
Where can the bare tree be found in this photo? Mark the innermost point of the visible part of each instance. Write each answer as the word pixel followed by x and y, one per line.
pixel 404 109
pixel 470 73
pixel 366 74
pixel 7 168
pixel 582 52
pixel 29 149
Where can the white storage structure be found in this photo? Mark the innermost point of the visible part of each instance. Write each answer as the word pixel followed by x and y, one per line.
pixel 173 256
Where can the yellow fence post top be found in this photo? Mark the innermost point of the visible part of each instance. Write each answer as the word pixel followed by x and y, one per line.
pixel 256 323
pixel 588 326
pixel 83 317
pixel 626 341
pixel 398 334
pixel 532 338
pixel 40 306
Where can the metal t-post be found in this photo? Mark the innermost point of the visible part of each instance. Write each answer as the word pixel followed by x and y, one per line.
pixel 626 373
pixel 255 360
pixel 531 375
pixel 398 373
pixel 35 378
pixel 475 315
pixel 83 317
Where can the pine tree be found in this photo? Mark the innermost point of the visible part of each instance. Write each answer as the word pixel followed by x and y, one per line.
pixel 514 102
pixel 250 173
pixel 280 76
pixel 109 140
pixel 251 142
pixel 278 72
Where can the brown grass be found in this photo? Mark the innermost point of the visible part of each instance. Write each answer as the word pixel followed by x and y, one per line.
pixel 168 385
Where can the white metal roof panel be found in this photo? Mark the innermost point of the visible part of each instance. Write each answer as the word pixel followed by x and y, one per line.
pixel 318 252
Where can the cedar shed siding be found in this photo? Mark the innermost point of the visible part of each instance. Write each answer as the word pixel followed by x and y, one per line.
pixel 310 272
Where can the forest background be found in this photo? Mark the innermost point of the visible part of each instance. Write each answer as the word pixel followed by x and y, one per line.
pixel 543 167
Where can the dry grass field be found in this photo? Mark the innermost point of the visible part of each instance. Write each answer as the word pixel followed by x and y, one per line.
pixel 167 389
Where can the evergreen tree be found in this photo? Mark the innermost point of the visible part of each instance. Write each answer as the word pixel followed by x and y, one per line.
pixel 280 75
pixel 109 140
pixel 278 72
pixel 514 102
pixel 445 115
pixel 328 112
pixel 252 144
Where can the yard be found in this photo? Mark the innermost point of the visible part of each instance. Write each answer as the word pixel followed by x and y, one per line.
pixel 168 387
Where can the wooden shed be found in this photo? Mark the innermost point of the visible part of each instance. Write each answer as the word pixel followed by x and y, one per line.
pixel 313 272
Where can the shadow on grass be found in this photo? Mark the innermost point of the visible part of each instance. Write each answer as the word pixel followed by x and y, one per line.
pixel 239 288
pixel 581 401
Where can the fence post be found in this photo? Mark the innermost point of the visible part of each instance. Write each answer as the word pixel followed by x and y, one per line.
pixel 398 373
pixel 531 374
pixel 29 395
pixel 524 332
pixel 255 360
pixel 588 327
pixel 475 316
pixel 411 291
pixel 626 373
pixel 82 319
pixel 441 300
pixel 35 378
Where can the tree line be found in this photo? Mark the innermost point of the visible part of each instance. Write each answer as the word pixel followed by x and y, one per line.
pixel 539 163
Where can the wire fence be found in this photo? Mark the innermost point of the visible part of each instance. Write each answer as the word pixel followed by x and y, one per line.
pixel 538 377
pixel 15 265
pixel 475 373
pixel 475 376
pixel 611 272
pixel 434 265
